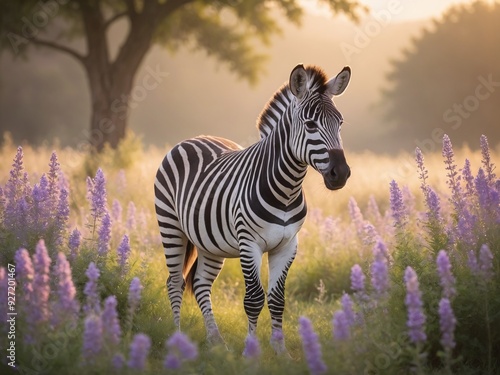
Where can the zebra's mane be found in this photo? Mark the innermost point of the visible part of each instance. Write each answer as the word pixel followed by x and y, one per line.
pixel 274 109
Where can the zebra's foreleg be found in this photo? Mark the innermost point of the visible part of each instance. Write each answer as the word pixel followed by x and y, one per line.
pixel 254 293
pixel 280 261
pixel 207 270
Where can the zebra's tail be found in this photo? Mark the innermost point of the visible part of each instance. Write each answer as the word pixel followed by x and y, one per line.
pixel 189 268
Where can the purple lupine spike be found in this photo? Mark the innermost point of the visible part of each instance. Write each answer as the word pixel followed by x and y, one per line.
pixel 53 179
pixel 370 234
pixel 118 361
pixel 90 290
pixel 62 216
pixel 413 302
pixel 452 174
pixel 40 211
pixel 111 324
pixel 356 216
pixel 398 209
pixel 92 339
pixel 131 216
pixel 25 274
pixel 172 362
pixel 486 262
pixel 434 207
pixel 447 280
pixel 379 269
pixel 139 350
pixel 488 166
pixel 116 211
pixel 21 221
pixel 346 303
pixel 341 326
pixel 15 189
pixel 134 295
pixel 41 282
pixel 74 243
pixel 104 235
pixel 468 178
pixel 357 279
pixel 97 195
pixel 328 229
pixel 252 347
pixel 182 348
pixel 124 252
pixel 67 305
pixel 423 174
pixel 483 190
pixel 465 228
pixel 311 346
pixel 447 323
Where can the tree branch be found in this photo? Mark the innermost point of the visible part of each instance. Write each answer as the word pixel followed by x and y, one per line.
pixel 114 18
pixel 59 47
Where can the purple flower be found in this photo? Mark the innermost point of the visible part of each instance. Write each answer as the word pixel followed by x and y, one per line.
pixel 74 243
pixel 373 210
pixel 346 302
pixel 468 178
pixel 96 193
pixel 25 275
pixel 104 235
pixel 398 210
pixel 488 166
pixel 447 280
pixel 111 324
pixel 62 215
pixel 413 302
pixel 486 262
pixel 41 282
pixel 434 207
pixel 53 177
pixel 356 217
pixel 118 361
pixel 131 213
pixel 379 269
pixel 90 290
pixel 40 212
pixel 92 338
pixel 139 350
pixel 172 362
pixel 452 174
pixel 484 196
pixel 124 252
pixel 422 171
pixel 116 211
pixel 341 326
pixel 67 306
pixel 134 294
pixel 447 323
pixel 312 347
pixel 252 347
pixel 357 279
pixel 180 347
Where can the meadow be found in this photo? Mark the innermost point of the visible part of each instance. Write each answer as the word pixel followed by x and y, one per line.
pixel 397 273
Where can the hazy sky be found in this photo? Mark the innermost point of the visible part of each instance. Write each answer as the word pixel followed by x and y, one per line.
pixel 407 9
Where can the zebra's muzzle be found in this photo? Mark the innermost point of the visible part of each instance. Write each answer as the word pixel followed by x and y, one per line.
pixel 337 173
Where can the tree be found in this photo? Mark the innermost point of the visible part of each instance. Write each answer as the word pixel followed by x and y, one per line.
pixel 449 80
pixel 224 29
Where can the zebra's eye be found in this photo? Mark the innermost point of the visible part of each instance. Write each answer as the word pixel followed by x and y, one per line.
pixel 311 125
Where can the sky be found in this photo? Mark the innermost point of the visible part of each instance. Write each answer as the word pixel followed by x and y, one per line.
pixel 405 9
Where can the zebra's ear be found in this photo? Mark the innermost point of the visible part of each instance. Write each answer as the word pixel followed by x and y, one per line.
pixel 298 81
pixel 337 85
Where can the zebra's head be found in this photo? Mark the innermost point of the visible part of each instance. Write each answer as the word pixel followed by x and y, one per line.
pixel 315 129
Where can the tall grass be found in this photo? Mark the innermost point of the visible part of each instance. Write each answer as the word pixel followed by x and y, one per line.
pixel 395 214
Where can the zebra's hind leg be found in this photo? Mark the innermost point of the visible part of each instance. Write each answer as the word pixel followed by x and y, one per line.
pixel 280 261
pixel 178 254
pixel 254 293
pixel 208 268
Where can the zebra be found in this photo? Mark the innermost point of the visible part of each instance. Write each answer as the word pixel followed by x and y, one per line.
pixel 216 200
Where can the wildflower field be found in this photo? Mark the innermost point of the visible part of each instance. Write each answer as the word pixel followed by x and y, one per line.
pixel 397 273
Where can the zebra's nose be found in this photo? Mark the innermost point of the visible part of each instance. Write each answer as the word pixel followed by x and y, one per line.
pixel 339 170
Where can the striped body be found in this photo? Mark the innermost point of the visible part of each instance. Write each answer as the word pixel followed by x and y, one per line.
pixel 215 200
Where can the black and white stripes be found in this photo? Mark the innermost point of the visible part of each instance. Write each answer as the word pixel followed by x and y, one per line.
pixel 215 200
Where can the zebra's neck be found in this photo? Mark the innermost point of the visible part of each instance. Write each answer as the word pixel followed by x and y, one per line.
pixel 274 111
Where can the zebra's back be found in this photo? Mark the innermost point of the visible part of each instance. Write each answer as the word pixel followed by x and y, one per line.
pixel 190 193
